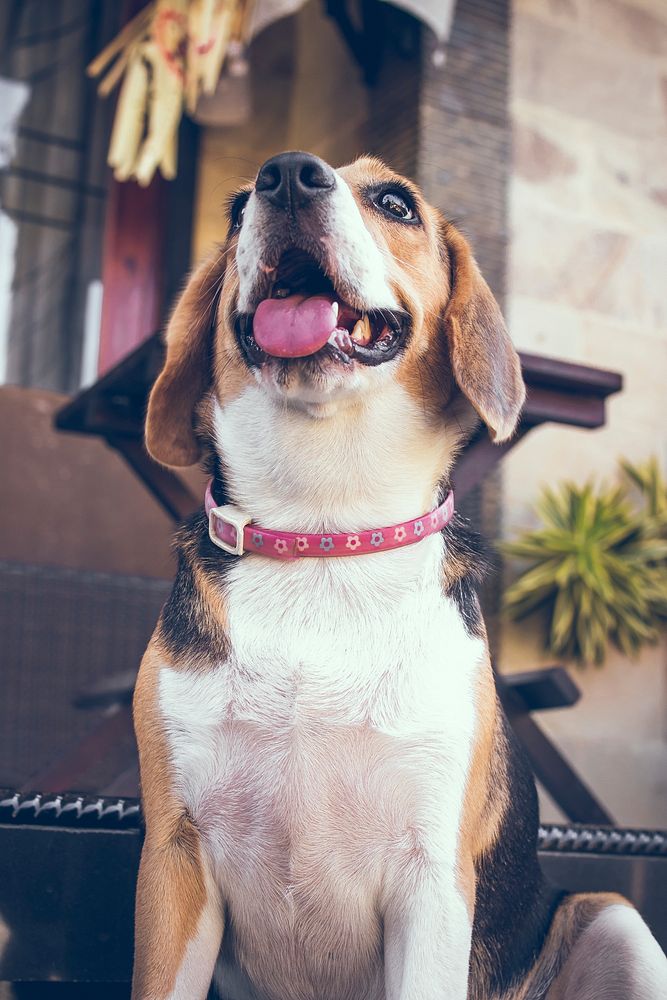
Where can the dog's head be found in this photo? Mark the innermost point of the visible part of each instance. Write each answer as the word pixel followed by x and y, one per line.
pixel 330 283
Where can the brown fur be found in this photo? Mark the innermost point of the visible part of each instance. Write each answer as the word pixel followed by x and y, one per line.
pixel 461 339
pixel 171 435
pixel 171 879
pixel 571 919
pixel 484 363
pixel 486 800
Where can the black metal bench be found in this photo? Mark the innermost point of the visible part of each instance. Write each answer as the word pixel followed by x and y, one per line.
pixel 68 866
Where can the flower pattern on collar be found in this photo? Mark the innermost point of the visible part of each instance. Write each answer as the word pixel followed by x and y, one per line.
pixel 226 523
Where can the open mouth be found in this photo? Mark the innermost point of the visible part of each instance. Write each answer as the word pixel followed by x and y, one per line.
pixel 303 316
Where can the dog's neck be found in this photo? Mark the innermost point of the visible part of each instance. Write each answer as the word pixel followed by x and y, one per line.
pixel 375 463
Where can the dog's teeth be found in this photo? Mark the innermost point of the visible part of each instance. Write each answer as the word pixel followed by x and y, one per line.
pixel 361 334
pixel 340 338
pixel 336 309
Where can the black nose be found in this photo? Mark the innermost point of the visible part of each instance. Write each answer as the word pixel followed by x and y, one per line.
pixel 292 180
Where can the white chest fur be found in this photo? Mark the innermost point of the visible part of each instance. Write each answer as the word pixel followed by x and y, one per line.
pixel 373 462
pixel 333 641
pixel 339 731
pixel 325 757
pixel 362 641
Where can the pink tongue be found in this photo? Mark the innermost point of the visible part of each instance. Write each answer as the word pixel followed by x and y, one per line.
pixel 296 326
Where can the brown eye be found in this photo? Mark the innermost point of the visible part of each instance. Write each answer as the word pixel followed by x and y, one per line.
pixel 396 204
pixel 238 211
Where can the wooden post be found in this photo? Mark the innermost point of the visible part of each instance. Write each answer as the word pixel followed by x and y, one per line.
pixel 133 258
pixel 132 268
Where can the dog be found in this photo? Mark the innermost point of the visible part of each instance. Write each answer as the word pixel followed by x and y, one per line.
pixel 335 805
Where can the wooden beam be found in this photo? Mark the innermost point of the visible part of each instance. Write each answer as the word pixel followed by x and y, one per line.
pixel 166 486
pixel 546 688
pixel 552 770
pixel 562 406
pixel 539 369
pixel 478 459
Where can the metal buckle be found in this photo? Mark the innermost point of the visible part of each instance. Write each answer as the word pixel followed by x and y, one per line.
pixel 234 517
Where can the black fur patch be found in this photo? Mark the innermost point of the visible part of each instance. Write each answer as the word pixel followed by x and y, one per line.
pixel 188 626
pixel 467 562
pixel 214 467
pixel 514 903
pixel 464 594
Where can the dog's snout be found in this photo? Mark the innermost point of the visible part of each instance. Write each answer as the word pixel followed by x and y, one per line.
pixel 294 179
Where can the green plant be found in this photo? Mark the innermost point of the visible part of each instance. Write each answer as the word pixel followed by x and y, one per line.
pixel 598 565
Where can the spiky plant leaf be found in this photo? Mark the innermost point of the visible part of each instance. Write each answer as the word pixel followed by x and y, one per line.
pixel 598 565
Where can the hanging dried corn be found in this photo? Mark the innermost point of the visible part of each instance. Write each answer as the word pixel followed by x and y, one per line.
pixel 170 54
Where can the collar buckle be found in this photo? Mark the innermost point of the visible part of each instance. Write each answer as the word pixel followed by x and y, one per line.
pixel 225 528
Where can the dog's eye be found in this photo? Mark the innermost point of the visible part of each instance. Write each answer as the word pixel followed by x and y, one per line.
pixel 238 211
pixel 397 204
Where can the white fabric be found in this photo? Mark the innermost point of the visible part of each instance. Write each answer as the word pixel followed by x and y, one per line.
pixel 268 11
pixel 437 14
pixel 13 99
pixel 14 96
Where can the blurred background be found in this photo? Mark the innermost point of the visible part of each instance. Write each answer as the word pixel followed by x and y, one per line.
pixel 540 128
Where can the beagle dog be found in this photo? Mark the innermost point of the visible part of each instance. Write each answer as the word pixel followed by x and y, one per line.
pixel 336 807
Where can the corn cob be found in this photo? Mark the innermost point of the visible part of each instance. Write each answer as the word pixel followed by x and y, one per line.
pixel 133 31
pixel 168 55
pixel 128 123
pixel 164 114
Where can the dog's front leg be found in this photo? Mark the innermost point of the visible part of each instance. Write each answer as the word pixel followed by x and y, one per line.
pixel 179 913
pixel 179 919
pixel 427 935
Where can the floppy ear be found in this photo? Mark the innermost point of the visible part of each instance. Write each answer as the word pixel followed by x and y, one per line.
pixel 170 432
pixel 485 365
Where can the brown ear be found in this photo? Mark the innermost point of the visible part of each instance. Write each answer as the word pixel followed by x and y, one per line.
pixel 170 432
pixel 485 365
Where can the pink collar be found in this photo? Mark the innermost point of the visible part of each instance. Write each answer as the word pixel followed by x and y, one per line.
pixel 232 530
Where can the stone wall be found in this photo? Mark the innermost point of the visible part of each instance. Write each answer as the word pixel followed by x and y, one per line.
pixel 464 142
pixel 463 167
pixel 588 282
